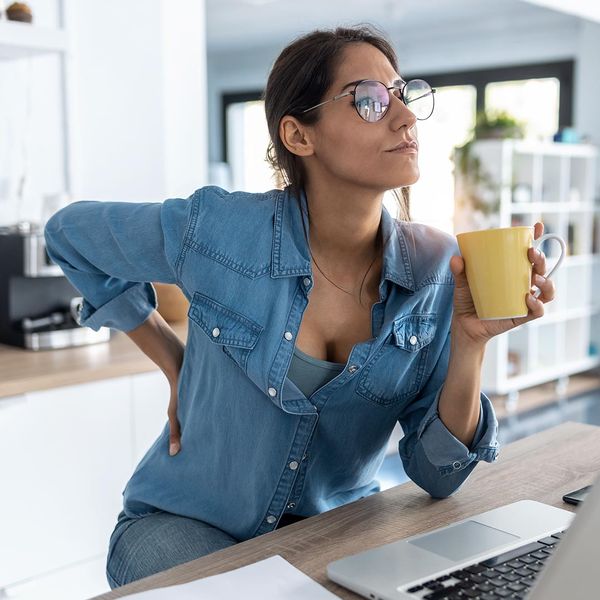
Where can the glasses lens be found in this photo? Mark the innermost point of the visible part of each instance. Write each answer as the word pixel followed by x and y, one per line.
pixel 418 96
pixel 371 100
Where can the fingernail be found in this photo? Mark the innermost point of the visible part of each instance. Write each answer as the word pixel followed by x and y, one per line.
pixel 173 449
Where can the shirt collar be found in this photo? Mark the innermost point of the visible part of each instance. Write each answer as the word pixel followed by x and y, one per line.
pixel 291 257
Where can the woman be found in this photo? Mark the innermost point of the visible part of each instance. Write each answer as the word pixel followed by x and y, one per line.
pixel 292 378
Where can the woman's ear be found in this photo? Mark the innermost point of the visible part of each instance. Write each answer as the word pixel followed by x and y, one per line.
pixel 296 137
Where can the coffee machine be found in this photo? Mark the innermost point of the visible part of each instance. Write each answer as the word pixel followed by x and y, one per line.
pixel 38 305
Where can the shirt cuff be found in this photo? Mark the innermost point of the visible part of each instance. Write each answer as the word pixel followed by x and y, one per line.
pixel 124 312
pixel 448 453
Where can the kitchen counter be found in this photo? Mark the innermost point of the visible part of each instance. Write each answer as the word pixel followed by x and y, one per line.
pixel 24 371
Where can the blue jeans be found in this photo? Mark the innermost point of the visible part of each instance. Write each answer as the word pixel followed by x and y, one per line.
pixel 142 546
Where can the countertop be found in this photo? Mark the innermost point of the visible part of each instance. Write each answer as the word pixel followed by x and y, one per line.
pixel 23 371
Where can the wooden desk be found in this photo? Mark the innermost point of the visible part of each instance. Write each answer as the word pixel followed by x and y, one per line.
pixel 541 467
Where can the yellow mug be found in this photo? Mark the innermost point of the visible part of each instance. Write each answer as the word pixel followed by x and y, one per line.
pixel 498 268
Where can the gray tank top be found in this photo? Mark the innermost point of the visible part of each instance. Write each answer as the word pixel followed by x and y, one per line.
pixel 308 374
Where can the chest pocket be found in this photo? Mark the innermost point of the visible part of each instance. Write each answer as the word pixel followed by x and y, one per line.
pixel 235 333
pixel 397 372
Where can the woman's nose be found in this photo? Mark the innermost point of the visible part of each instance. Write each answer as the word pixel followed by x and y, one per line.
pixel 401 114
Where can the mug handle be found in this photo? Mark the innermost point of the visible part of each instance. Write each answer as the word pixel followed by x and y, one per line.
pixel 563 252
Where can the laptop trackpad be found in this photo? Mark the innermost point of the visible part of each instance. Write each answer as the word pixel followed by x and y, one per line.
pixel 459 542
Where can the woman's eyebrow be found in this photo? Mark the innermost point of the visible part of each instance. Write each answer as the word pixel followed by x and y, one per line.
pixel 351 83
pixel 396 81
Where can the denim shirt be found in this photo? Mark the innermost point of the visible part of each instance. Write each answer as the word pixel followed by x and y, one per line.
pixel 253 446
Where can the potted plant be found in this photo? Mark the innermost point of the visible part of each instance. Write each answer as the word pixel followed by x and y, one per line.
pixel 477 195
pixel 497 125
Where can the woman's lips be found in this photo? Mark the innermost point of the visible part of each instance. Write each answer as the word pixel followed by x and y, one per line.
pixel 410 147
pixel 405 150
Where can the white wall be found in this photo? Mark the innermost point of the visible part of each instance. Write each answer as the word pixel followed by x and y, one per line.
pixel 587 81
pixel 548 38
pixel 140 68
pixel 137 105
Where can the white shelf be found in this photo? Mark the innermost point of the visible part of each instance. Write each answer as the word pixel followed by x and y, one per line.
pixel 548 207
pixel 561 181
pixel 581 259
pixel 553 148
pixel 539 376
pixel 564 315
pixel 19 40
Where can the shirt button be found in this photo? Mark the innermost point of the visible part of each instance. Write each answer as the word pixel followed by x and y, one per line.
pixel 291 505
pixel 352 368
pixel 272 392
pixel 413 340
pixel 456 465
pixel 216 331
pixel 293 465
pixel 306 281
pixel 271 519
pixel 288 335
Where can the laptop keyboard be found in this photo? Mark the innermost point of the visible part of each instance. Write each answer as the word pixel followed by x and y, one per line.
pixel 508 575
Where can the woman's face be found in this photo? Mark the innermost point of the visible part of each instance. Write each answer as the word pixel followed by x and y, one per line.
pixel 356 151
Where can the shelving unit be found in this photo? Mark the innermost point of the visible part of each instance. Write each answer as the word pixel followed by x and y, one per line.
pixel 19 41
pixel 524 182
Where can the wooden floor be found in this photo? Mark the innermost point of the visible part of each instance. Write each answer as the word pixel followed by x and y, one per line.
pixel 546 394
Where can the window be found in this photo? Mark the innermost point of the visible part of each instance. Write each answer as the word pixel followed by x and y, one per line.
pixel 561 71
pixel 535 102
pixel 432 197
pixel 247 142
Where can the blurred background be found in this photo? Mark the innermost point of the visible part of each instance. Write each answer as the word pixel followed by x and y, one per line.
pixel 137 100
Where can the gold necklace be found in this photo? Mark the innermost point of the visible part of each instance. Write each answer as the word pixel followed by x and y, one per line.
pixel 341 288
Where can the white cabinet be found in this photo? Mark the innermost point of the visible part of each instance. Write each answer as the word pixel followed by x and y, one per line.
pixel 520 182
pixel 65 456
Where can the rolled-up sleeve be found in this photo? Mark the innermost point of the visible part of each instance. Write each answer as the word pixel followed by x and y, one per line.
pixel 432 456
pixel 112 251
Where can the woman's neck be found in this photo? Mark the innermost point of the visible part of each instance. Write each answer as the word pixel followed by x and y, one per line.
pixel 344 227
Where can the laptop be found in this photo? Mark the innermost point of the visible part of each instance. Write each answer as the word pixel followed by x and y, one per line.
pixel 525 549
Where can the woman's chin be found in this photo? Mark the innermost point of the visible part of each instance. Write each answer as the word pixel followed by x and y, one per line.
pixel 415 177
pixel 408 177
pixel 399 180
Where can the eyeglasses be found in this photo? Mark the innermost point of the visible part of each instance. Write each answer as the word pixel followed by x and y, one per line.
pixel 372 98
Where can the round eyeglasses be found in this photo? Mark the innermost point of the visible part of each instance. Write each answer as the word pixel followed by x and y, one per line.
pixel 372 98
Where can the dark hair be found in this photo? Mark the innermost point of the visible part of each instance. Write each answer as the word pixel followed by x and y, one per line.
pixel 299 79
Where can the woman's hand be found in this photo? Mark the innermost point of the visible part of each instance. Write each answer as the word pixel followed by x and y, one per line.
pixel 161 344
pixel 174 430
pixel 468 326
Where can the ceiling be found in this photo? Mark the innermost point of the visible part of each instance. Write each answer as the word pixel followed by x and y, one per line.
pixel 586 9
pixel 237 24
